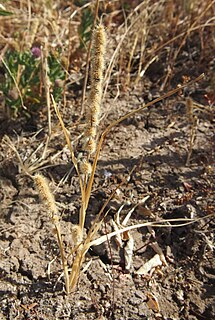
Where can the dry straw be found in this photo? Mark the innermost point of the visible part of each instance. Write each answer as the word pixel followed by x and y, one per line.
pixel 80 244
pixel 86 171
pixel 93 144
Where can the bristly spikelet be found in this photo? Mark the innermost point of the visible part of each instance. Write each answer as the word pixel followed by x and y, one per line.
pixel 90 131
pixel 90 145
pixel 85 167
pixel 99 48
pixel 97 70
pixel 94 111
pixel 95 97
pixel 97 66
pixel 45 194
pixel 76 234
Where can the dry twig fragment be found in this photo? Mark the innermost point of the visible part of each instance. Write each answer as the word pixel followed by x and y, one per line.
pixel 155 246
pixel 128 252
pixel 149 265
pixel 152 302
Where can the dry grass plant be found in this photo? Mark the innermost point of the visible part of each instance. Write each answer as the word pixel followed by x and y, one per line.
pixel 86 171
pixel 171 24
pixel 145 17
pixel 86 168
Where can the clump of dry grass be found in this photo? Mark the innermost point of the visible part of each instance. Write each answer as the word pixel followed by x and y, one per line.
pixel 86 170
pixel 155 35
pixel 139 50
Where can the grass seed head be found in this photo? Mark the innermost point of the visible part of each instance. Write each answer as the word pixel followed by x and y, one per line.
pixel 98 56
pixel 76 235
pixel 99 43
pixel 45 194
pixel 90 145
pixel 97 70
pixel 85 167
pixel 91 131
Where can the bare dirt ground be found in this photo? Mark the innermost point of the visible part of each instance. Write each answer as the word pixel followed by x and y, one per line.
pixel 154 144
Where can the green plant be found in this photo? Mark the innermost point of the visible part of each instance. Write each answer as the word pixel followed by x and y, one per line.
pixel 5 13
pixel 23 85
pixel 86 23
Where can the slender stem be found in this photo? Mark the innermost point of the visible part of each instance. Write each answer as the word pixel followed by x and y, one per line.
pixel 67 137
pixel 87 60
pixel 76 266
pixel 82 216
pixel 64 261
pixel 47 87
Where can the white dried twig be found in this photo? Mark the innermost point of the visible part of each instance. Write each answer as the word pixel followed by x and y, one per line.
pixel 128 252
pixel 149 265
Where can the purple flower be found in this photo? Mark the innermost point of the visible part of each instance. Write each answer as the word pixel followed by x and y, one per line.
pixel 36 52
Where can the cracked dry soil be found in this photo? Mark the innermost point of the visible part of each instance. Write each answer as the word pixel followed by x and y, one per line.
pixel 156 143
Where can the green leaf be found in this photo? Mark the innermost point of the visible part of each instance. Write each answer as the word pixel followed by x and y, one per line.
pixel 5 13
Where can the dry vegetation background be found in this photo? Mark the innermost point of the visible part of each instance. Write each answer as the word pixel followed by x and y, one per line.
pixel 153 46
